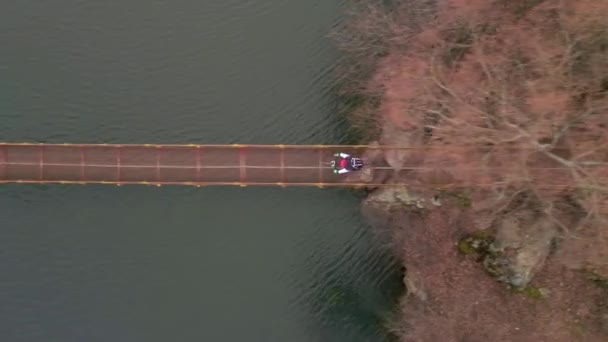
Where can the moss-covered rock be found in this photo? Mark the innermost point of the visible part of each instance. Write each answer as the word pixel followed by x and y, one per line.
pixel 531 292
pixel 461 199
pixel 465 247
pixel 476 243
pixel 520 248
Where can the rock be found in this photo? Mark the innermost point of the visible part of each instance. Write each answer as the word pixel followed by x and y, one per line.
pixel 414 286
pixel 520 248
pixel 436 201
pixel 509 234
pixel 395 196
pixel 393 136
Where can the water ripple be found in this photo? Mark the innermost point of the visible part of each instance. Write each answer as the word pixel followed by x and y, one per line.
pixel 139 263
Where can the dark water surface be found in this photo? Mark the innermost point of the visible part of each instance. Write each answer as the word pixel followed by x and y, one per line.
pixel 95 263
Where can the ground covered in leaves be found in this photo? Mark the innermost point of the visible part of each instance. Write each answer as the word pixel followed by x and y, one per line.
pixel 505 236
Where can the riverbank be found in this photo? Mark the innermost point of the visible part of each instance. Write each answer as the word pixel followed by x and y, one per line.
pixel 504 235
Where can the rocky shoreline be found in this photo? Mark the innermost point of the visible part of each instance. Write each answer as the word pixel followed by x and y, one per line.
pixel 500 284
pixel 492 249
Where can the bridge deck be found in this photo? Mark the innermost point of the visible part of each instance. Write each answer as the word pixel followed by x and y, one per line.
pixel 273 165
pixel 198 165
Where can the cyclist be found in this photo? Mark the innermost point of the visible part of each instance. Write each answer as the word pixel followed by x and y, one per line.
pixel 344 163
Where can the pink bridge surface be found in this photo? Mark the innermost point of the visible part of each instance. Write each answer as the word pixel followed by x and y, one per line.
pixel 198 165
pixel 270 165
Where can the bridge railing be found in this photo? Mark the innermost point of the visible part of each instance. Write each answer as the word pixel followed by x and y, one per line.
pixel 305 165
pixel 257 165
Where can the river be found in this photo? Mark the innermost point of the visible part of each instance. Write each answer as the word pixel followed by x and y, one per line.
pixel 101 263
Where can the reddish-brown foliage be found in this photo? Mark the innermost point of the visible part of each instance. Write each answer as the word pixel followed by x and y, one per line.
pixel 453 300
pixel 524 85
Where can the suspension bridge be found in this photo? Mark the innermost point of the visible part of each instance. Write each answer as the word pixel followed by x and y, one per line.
pixel 237 165
pixel 194 165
